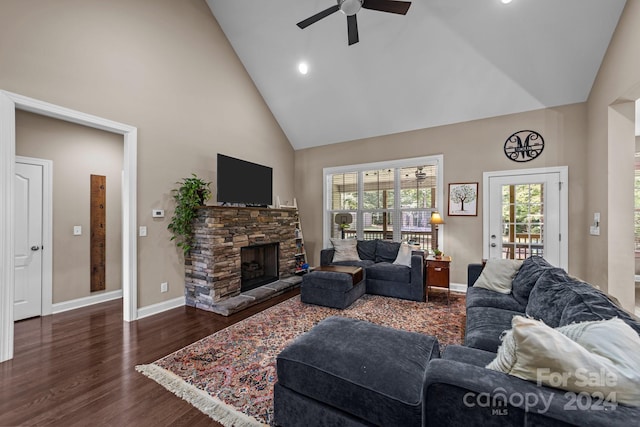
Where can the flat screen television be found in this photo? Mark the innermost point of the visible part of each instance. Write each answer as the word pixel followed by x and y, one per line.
pixel 244 182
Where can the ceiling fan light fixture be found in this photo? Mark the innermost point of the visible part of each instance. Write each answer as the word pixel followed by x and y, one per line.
pixel 350 7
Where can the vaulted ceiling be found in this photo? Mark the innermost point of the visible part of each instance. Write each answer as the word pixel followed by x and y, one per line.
pixel 446 61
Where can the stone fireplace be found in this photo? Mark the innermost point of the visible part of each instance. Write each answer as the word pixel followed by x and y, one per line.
pixel 258 265
pixel 214 269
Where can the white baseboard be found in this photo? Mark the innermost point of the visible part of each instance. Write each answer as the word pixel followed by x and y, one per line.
pixel 150 310
pixel 60 307
pixel 458 287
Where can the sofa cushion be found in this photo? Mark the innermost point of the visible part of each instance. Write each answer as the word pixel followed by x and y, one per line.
pixel 498 274
pixel 468 355
pixel 345 250
pixel 479 297
pixel 593 357
pixel 389 272
pixel 485 325
pixel 367 249
pixel 527 277
pixel 355 366
pixel 551 295
pixel 386 250
pixel 593 304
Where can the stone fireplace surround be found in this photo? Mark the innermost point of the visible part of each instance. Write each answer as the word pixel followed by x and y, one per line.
pixel 213 268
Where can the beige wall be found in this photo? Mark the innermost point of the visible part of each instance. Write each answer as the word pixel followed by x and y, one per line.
pixel 610 261
pixel 77 152
pixel 163 66
pixel 469 149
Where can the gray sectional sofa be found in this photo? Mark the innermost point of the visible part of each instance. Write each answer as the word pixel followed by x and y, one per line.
pixel 382 277
pixel 406 376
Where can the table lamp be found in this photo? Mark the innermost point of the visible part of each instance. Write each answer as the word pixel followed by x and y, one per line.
pixel 436 219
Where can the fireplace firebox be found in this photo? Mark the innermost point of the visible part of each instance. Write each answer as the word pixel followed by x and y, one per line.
pixel 259 265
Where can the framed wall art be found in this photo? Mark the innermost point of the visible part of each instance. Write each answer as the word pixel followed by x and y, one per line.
pixel 463 199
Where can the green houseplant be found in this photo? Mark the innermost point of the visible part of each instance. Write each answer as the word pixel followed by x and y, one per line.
pixel 191 193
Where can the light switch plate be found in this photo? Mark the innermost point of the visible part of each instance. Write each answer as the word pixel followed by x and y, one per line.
pixel 77 230
pixel 143 231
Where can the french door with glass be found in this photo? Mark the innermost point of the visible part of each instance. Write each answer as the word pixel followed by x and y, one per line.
pixel 525 213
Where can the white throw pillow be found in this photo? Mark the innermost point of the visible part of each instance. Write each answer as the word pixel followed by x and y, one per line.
pixel 601 358
pixel 498 274
pixel 345 250
pixel 404 255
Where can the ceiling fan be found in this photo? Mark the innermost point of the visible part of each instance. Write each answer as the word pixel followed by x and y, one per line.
pixel 351 7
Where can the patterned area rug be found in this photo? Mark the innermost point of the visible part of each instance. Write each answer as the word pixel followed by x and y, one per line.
pixel 230 375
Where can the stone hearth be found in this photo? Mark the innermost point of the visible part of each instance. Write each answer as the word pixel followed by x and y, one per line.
pixel 213 269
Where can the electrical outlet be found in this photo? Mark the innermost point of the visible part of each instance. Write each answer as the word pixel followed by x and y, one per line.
pixel 164 287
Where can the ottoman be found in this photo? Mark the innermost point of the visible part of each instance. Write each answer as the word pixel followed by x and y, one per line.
pixel 333 286
pixel 347 372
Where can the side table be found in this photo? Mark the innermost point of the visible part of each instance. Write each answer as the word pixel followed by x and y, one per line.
pixel 437 274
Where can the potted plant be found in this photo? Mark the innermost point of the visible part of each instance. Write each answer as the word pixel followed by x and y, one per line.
pixel 191 193
pixel 437 253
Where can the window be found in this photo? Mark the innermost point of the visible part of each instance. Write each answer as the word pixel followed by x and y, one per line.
pixel 522 220
pixel 390 200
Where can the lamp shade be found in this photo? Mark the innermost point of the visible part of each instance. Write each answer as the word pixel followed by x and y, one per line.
pixel 436 218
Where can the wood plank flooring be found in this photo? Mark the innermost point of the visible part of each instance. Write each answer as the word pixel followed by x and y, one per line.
pixel 77 368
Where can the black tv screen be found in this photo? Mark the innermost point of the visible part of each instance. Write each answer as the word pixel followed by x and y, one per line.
pixel 240 181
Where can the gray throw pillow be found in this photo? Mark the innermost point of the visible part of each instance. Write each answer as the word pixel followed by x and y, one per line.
pixel 345 250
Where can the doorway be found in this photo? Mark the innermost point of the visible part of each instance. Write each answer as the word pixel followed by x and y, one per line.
pixel 525 214
pixel 9 102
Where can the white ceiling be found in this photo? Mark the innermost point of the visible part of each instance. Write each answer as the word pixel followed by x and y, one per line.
pixel 446 61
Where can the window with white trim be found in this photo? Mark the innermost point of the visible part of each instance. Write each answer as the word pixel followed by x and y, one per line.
pixel 385 200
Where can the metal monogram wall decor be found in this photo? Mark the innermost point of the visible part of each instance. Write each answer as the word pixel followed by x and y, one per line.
pixel 524 145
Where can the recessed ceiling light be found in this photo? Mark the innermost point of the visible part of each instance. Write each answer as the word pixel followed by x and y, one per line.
pixel 303 68
pixel 506 1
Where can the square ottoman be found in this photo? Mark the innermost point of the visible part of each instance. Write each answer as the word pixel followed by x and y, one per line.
pixel 333 286
pixel 351 372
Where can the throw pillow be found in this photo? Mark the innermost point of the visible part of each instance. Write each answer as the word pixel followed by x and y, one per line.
pixel 599 357
pixel 404 255
pixel 345 250
pixel 498 274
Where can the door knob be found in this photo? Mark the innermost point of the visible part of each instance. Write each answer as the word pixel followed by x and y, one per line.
pixel 493 245
pixel 35 248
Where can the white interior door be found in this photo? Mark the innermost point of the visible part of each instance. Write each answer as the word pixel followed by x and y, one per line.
pixel 28 241
pixel 526 215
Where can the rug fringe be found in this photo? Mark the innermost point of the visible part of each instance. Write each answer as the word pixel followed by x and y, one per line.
pixel 216 409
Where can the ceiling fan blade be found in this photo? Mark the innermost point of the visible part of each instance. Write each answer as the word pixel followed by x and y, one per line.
pixel 391 6
pixel 352 27
pixel 318 16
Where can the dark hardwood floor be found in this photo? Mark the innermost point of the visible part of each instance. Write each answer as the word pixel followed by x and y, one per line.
pixel 77 368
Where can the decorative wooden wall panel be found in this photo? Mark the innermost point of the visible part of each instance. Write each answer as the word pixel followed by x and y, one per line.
pixel 98 232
